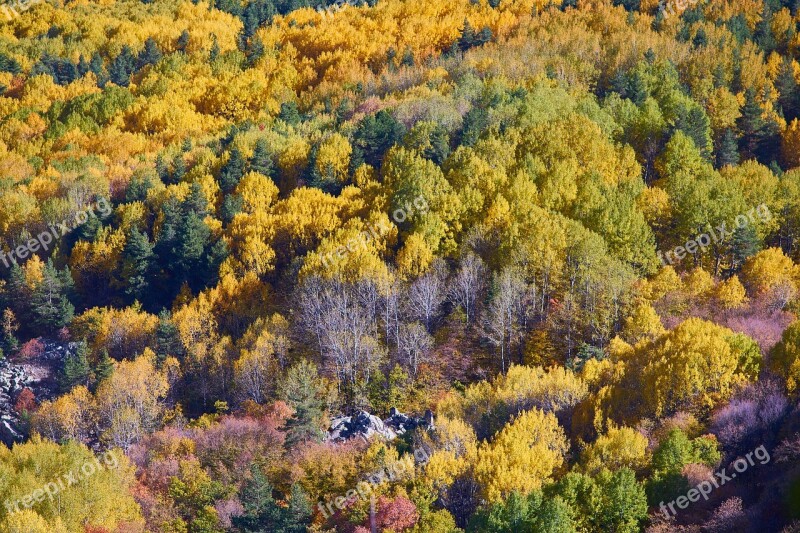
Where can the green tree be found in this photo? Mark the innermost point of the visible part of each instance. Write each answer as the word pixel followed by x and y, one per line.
pixel 303 390
pixel 75 369
pixel 727 149
pixel 232 171
pixel 49 304
pixel 138 266
pixel 103 369
pixel 261 161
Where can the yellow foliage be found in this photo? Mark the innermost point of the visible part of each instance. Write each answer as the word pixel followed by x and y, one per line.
pixel 522 456
pixel 767 269
pixel 731 293
pixel 618 448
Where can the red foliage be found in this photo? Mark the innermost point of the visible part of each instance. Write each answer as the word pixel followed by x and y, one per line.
pixel 30 350
pixel 395 514
pixel 26 401
pixel 95 529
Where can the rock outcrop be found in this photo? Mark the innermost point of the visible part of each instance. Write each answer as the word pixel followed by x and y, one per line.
pixel 365 426
pixel 36 373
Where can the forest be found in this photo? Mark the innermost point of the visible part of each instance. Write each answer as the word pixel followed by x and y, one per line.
pixel 468 266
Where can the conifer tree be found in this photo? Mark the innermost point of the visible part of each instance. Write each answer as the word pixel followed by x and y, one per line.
pixel 75 370
pixel 50 303
pixel 232 171
pixel 138 266
pixel 261 161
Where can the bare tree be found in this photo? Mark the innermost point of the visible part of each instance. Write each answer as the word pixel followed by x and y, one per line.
pixel 414 345
pixel 426 294
pixel 342 317
pixel 501 321
pixel 466 285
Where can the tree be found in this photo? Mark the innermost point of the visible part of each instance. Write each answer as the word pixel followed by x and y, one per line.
pixel 693 367
pixel 49 302
pixel 533 512
pixel 522 456
pixel 138 266
pixel 373 137
pixel 150 54
pixel 303 390
pixel 426 295
pixel 183 41
pixel 728 149
pixel 502 317
pixel 465 286
pixel 261 161
pixel 168 342
pixel 785 357
pixel 415 345
pixel 618 448
pixel 232 171
pixel 786 84
pixel 100 500
pixel 768 269
pixel 75 369
pixel 122 67
pixel 104 368
pixel 262 513
pixel 468 38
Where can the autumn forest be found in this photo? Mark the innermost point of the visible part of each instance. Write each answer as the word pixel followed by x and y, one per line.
pixel 456 266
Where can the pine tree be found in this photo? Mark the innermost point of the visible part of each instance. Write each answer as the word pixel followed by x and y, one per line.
pixel 261 161
pixel 231 206
pixel 467 39
pixel 484 36
pixel 254 50
pixel 98 69
pixel 168 342
pixel 178 169
pixel 787 89
pixel 161 170
pixel 83 66
pixel 289 113
pixel 408 58
pixel 50 303
pixel 298 515
pixel 727 149
pixel 9 64
pixel 763 35
pixel 183 41
pixel 301 391
pixel 75 370
pixel 751 124
pixel 745 243
pixel 213 54
pixel 696 125
pixel 232 171
pixel 150 54
pixel 138 266
pixel 261 513
pixel 122 67
pixel 103 369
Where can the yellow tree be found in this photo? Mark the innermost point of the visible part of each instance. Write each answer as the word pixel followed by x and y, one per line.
pixel 522 456
pixel 620 447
